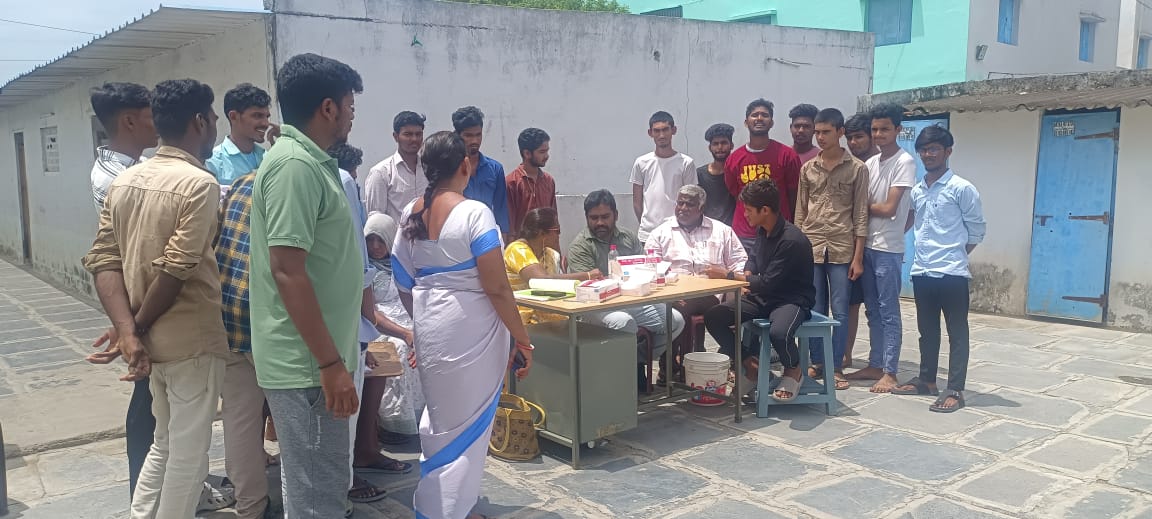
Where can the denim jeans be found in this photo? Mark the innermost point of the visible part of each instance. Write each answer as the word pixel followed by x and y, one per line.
pixel 832 287
pixel 881 282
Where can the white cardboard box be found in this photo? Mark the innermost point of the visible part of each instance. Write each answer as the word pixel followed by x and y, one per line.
pixel 597 291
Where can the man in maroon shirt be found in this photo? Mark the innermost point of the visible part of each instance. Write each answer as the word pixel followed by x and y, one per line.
pixel 803 128
pixel 761 157
pixel 529 187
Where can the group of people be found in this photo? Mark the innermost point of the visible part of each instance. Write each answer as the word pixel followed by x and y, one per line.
pixel 261 276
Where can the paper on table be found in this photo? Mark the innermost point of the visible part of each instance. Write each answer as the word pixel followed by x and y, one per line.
pixel 555 285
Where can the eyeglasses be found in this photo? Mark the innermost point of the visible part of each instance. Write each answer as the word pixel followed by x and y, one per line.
pixel 931 150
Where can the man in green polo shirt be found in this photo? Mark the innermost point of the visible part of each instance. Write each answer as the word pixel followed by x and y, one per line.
pixel 590 251
pixel 306 280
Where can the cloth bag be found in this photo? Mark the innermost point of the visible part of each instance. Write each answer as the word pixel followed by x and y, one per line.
pixel 514 429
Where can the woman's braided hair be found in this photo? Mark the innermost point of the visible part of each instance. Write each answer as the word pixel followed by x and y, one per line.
pixel 442 155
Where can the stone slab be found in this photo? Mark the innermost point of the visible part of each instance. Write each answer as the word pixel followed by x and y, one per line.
pixel 84 324
pixel 1014 355
pixel 1094 333
pixel 911 413
pixel 1009 486
pixel 91 503
pixel 1141 403
pixel 1003 436
pixel 1102 369
pixel 31 332
pixel 652 433
pixel 730 509
pixel 1011 336
pixel 1103 503
pixel 48 356
pixel 1123 428
pixel 1018 405
pixel 1080 456
pixel 1084 348
pixel 729 460
pixel 1093 391
pixel 1020 377
pixel 940 508
pixel 629 491
pixel 910 457
pixel 800 426
pixel 63 471
pixel 856 496
pixel 1136 475
pixel 37 344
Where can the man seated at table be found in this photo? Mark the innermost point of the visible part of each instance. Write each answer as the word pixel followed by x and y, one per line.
pixel 696 246
pixel 589 251
pixel 780 289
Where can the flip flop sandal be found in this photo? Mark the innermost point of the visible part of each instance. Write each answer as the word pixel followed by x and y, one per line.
pixel 842 383
pixel 788 385
pixel 938 405
pixel 921 388
pixel 366 492
pixel 816 372
pixel 386 467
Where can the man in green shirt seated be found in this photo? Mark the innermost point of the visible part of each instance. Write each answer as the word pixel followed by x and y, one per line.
pixel 590 251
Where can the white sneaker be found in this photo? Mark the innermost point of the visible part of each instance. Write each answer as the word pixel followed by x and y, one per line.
pixel 213 499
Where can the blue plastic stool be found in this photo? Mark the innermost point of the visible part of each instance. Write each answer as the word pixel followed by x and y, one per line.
pixel 811 391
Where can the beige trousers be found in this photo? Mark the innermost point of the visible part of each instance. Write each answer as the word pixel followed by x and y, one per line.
pixel 244 436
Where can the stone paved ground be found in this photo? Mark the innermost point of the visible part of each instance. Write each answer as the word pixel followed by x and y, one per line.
pixel 1057 426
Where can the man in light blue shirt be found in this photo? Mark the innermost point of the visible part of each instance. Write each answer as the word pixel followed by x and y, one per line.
pixel 949 223
pixel 248 116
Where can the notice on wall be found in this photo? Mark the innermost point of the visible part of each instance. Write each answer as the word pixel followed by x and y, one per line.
pixel 51 149
pixel 1064 128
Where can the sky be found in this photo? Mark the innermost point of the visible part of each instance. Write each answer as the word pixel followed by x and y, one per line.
pixel 38 45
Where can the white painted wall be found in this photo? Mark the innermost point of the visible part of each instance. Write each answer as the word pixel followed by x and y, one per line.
pixel 62 215
pixel 997 152
pixel 1049 38
pixel 1130 290
pixel 590 79
pixel 1135 22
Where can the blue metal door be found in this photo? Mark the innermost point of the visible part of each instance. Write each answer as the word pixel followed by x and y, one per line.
pixel 907 141
pixel 1072 219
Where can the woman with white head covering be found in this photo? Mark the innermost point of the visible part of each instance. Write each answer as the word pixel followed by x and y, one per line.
pixel 403 399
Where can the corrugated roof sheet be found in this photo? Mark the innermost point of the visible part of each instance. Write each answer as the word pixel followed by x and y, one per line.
pixel 1072 91
pixel 158 32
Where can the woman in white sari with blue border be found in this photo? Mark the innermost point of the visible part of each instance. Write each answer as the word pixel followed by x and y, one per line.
pixel 449 269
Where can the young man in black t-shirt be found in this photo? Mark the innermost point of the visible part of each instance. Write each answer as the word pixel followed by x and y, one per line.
pixel 720 203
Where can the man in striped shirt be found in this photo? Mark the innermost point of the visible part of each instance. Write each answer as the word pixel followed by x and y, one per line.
pixel 125 112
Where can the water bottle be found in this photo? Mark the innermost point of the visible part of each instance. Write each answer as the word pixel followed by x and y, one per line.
pixel 614 270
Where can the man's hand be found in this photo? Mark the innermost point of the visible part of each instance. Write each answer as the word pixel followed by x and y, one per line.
pixel 110 353
pixel 370 361
pixel 139 363
pixel 409 338
pixel 855 270
pixel 412 358
pixel 595 274
pixel 339 391
pixel 716 272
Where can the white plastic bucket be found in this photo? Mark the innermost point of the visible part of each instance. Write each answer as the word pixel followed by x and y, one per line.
pixel 706 370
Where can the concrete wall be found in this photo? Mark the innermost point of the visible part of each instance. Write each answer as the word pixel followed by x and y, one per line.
pixel 590 79
pixel 1049 38
pixel 997 152
pixel 63 218
pixel 1135 23
pixel 1130 289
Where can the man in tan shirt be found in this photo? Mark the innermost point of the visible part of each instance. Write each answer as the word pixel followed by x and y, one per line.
pixel 832 210
pixel 156 276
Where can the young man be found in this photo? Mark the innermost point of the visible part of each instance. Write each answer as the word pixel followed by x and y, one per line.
pixel 657 176
pixel 590 251
pixel 949 225
pixel 720 203
pixel 803 118
pixel 360 490
pixel 779 275
pixel 158 282
pixel 891 174
pixel 529 186
pixel 396 181
pixel 762 157
pixel 125 111
pixel 487 181
pixel 832 210
pixel 858 135
pixel 246 107
pixel 307 285
pixel 695 245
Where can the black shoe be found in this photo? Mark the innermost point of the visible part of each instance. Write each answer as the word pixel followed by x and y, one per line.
pixel 641 380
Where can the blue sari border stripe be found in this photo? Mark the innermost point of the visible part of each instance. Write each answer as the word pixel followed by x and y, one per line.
pixel 428 271
pixel 456 447
pixel 403 278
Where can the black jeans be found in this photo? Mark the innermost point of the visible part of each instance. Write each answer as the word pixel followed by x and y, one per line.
pixel 785 320
pixel 947 295
pixel 140 430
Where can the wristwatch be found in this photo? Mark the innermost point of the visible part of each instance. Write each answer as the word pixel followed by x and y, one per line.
pixel 731 275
